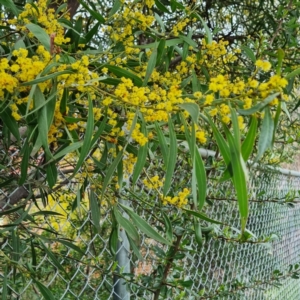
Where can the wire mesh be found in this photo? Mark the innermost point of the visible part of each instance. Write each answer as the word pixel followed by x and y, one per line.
pixel 222 268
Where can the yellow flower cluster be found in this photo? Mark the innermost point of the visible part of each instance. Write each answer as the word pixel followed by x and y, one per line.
pixel 179 26
pixel 153 182
pixel 129 19
pixel 263 64
pixel 42 15
pixel 129 161
pixel 180 200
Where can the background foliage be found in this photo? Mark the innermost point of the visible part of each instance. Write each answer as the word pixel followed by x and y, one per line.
pixel 91 94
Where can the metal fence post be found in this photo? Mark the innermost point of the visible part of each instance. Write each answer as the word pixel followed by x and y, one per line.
pixel 120 291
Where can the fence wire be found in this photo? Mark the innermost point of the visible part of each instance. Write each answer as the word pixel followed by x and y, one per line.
pixel 222 268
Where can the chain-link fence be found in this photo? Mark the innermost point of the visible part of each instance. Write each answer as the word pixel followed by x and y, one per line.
pixel 226 266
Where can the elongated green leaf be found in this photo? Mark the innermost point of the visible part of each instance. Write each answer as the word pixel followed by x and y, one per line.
pixel 111 170
pixel 195 82
pixel 168 226
pixel 120 173
pixel 94 13
pixel 249 53
pixel 266 134
pixel 19 44
pixel 201 216
pixel 124 73
pixel 187 44
pixel 160 22
pixel 115 8
pixel 236 129
pixel 198 232
pixel 280 55
pixel 86 147
pixel 69 244
pixel 284 108
pixel 293 74
pixel 239 179
pixel 162 143
pixel 64 101
pixel 207 30
pixel 161 7
pixel 53 258
pixel 45 78
pixel 44 290
pixel 95 211
pixel 113 240
pixel 51 172
pixel 51 98
pixel 46 213
pixel 33 254
pixel 172 158
pixel 39 101
pixel 128 227
pixel 50 105
pixel 142 225
pixel 117 160
pixel 24 163
pixel 10 123
pixel 169 43
pixel 135 248
pixel 40 34
pixel 150 66
pixel 10 5
pixel 99 131
pixel 200 174
pixel 249 141
pixel 189 41
pixel 69 149
pixel 258 107
pixel 192 109
pixel 141 157
pixel 223 147
pixel 161 50
pixel 276 121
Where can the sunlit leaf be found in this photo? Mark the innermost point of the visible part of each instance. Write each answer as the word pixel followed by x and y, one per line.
pixel 248 143
pixel 207 30
pixel 172 158
pixel 40 34
pixel 239 178
pixel 192 109
pixel 266 134
pixel 150 66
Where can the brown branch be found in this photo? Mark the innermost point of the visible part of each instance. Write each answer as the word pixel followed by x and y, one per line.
pixel 254 200
pixel 168 266
pixel 279 27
